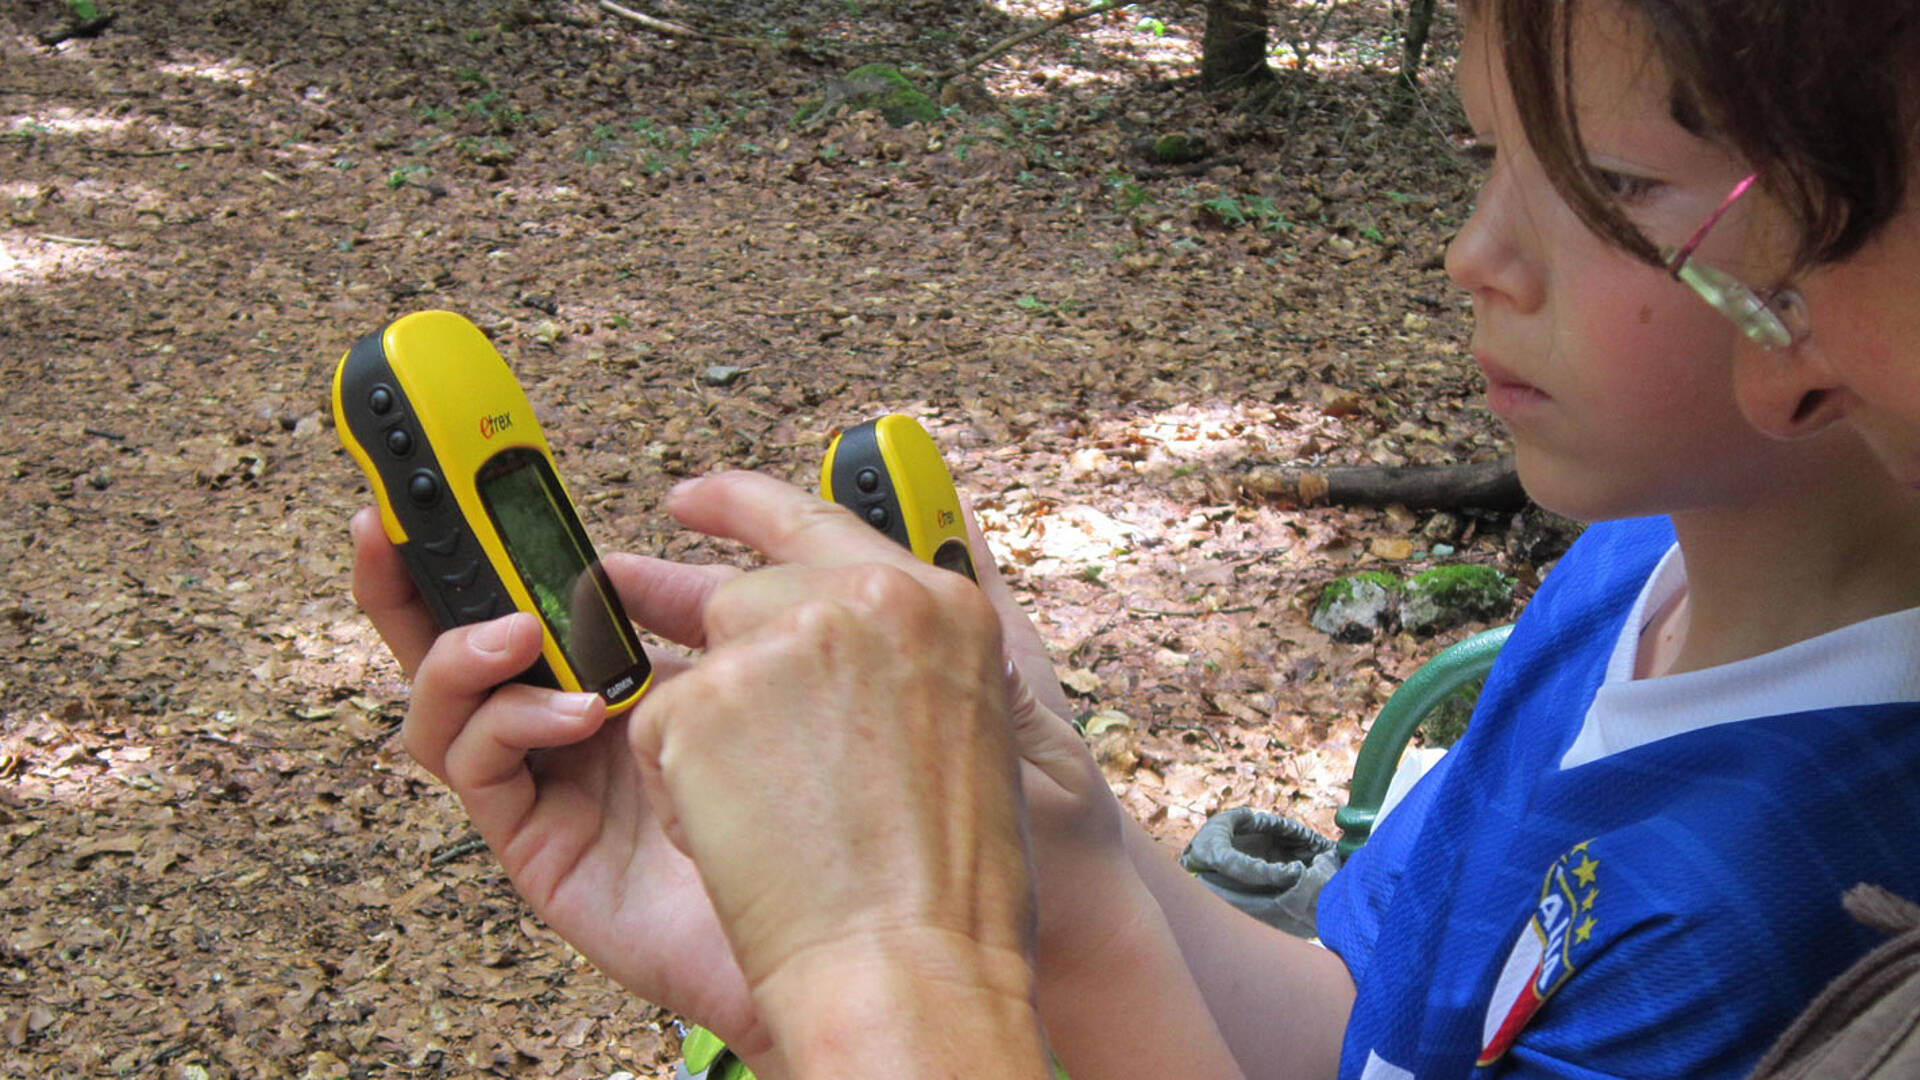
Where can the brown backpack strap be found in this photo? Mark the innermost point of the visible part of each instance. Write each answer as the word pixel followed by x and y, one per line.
pixel 1866 1024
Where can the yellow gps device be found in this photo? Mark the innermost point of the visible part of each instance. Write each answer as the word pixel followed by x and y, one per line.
pixel 468 492
pixel 890 473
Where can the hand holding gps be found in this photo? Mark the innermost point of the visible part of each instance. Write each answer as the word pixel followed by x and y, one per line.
pixel 468 492
pixel 889 472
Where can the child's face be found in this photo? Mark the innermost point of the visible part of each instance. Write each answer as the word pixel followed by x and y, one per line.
pixel 1614 380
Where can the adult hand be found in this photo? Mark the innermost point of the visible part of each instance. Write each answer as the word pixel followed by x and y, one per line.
pixel 840 767
pixel 572 826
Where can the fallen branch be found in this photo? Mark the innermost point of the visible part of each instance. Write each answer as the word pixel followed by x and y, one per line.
pixel 1201 728
pixel 675 30
pixel 1198 168
pixel 1029 34
pixel 1490 485
pixel 459 849
pixel 83 241
pixel 1197 614
pixel 86 28
pixel 658 26
pixel 165 151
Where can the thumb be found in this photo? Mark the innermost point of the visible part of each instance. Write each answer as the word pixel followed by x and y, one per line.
pixel 1024 646
pixel 1045 739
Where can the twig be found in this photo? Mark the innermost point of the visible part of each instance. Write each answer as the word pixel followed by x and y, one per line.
pixel 459 849
pixel 1201 728
pixel 1241 610
pixel 1029 34
pixel 169 1052
pixel 196 883
pixel 658 26
pixel 1198 168
pixel 83 241
pixel 101 433
pixel 93 27
pixel 675 30
pixel 167 151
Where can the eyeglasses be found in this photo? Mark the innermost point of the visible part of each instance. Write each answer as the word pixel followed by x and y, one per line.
pixel 1772 320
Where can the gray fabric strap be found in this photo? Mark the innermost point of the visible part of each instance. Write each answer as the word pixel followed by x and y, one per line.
pixel 1866 1024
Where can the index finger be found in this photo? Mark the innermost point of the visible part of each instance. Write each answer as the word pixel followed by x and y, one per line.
pixel 385 591
pixel 783 522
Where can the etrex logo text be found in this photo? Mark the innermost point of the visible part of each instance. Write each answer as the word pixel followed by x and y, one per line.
pixel 491 424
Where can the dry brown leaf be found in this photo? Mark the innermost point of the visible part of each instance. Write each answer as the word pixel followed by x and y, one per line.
pixel 1082 681
pixel 1392 549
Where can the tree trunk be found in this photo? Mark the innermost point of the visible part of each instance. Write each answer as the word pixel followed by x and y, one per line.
pixel 1413 41
pixel 1491 485
pixel 1233 51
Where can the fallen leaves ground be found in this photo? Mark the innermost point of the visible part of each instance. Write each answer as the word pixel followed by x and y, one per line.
pixel 214 859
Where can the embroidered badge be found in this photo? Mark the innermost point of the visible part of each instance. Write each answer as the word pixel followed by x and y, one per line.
pixel 1543 957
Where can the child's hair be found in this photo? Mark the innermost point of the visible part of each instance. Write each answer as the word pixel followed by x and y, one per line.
pixel 1821 96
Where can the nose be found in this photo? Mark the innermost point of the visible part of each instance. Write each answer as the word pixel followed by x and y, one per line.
pixel 1489 255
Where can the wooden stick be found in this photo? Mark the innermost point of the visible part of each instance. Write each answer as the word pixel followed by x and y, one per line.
pixel 1030 33
pixel 1491 485
pixel 658 26
pixel 167 151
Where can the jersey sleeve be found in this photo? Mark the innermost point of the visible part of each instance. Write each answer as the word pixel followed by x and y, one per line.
pixel 1354 901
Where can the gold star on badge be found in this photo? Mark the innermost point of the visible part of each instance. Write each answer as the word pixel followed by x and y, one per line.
pixel 1586 902
pixel 1585 871
pixel 1585 930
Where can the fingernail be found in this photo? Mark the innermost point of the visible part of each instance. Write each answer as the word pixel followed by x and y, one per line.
pixel 680 489
pixel 493 637
pixel 574 705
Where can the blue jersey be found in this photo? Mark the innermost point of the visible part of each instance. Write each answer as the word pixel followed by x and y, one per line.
pixel 1663 911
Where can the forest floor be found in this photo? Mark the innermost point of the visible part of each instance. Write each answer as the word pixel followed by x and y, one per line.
pixel 216 861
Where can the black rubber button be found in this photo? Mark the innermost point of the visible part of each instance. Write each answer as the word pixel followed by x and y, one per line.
pixel 878 517
pixel 445 545
pixel 424 488
pixel 399 443
pixel 867 480
pixel 480 610
pixel 380 400
pixel 463 577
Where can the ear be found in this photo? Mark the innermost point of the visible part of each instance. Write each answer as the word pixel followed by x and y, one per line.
pixel 1789 393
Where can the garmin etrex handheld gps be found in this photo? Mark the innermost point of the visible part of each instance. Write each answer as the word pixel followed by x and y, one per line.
pixel 890 473
pixel 468 492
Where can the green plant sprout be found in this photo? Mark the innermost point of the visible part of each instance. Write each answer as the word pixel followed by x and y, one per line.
pixel 399 177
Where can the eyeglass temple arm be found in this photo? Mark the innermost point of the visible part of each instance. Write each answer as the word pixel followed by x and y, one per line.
pixel 1680 257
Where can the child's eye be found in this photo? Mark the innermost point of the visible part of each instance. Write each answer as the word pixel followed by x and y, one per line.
pixel 1624 186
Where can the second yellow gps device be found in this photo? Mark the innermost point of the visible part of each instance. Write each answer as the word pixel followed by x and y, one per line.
pixel 889 472
pixel 468 492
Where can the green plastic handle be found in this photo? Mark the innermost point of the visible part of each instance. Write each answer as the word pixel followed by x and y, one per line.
pixel 1454 667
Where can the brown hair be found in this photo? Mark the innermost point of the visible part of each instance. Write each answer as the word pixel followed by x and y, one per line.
pixel 1819 95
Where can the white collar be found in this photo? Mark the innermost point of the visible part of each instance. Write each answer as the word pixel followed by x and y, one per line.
pixel 1866 663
